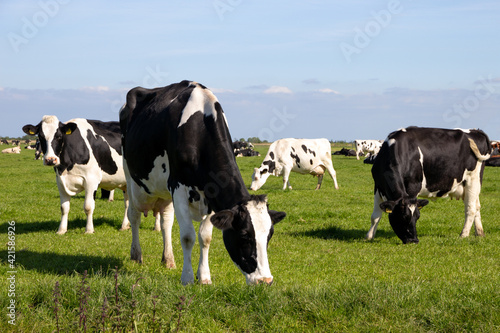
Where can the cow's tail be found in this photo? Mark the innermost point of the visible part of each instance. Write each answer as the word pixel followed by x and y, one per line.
pixel 476 151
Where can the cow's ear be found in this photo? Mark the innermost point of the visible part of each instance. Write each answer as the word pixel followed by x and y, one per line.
pixel 421 203
pixel 68 128
pixel 276 216
pixel 30 129
pixel 388 206
pixel 223 220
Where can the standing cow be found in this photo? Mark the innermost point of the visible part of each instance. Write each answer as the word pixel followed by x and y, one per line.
pixel 305 156
pixel 177 146
pixel 428 162
pixel 85 154
pixel 371 147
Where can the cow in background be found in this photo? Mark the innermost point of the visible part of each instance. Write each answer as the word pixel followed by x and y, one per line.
pixel 428 162
pixel 85 154
pixel 370 147
pixel 305 156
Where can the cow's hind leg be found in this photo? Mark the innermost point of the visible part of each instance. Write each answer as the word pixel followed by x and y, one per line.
pixel 167 221
pixel 204 237
pixel 125 222
pixel 477 220
pixel 472 207
pixel 376 216
pixel 333 174
pixel 286 176
pixel 134 217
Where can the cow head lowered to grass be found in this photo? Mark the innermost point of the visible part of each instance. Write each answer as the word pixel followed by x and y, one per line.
pixel 403 216
pixel 177 148
pixel 428 162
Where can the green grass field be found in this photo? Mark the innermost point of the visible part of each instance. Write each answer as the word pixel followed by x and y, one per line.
pixel 327 277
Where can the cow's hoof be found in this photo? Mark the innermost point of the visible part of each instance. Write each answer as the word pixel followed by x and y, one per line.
pixel 61 232
pixel 89 231
pixel 125 228
pixel 206 281
pixel 137 260
pixel 170 264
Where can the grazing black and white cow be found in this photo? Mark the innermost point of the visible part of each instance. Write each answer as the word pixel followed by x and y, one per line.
pixel 305 156
pixel 371 147
pixel 177 146
pixel 4 141
pixel 85 154
pixel 428 162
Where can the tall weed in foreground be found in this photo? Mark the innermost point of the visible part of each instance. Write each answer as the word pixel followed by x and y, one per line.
pixel 122 316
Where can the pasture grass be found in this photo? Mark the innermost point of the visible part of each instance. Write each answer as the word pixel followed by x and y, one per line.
pixel 327 277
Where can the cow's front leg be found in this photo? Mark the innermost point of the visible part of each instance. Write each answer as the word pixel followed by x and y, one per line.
pixel 320 180
pixel 134 217
pixel 375 217
pixel 167 221
pixel 65 204
pixel 187 233
pixel 204 237
pixel 88 207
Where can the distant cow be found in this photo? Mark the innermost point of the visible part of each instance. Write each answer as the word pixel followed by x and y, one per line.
pixel 428 162
pixel 305 156
pixel 85 154
pixel 177 147
pixel 241 144
pixel 4 141
pixel 15 150
pixel 371 147
pixel 345 152
pixel 245 152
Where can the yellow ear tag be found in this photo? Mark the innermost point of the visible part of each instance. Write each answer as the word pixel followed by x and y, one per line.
pixel 387 210
pixel 68 132
pixel 32 132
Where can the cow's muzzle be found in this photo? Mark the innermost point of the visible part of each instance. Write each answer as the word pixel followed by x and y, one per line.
pixel 51 161
pixel 268 281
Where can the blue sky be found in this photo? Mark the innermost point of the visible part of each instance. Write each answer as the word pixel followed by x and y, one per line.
pixel 342 70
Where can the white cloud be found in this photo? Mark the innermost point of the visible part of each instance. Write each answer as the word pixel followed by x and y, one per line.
pixel 98 88
pixel 277 90
pixel 328 91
